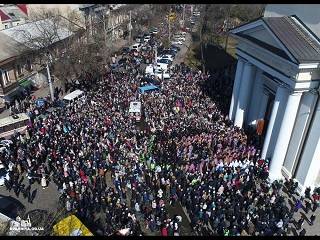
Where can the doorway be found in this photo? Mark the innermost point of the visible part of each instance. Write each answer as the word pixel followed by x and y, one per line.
pixel 267 117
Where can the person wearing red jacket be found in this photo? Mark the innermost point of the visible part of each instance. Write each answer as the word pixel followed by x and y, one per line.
pixel 164 230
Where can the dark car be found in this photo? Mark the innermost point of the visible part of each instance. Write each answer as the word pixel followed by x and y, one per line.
pixel 166 61
pixel 122 61
pixel 125 50
pixel 169 52
pixel 175 47
pixel 150 80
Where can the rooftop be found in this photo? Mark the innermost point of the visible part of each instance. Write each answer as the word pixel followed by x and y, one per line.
pixel 295 37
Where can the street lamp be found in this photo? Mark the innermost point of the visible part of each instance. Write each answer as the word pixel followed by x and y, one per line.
pixel 49 75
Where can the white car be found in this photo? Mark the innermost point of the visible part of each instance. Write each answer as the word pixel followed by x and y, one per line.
pixel 149 70
pixel 167 56
pixel 162 66
pixel 176 42
pixel 183 33
pixel 158 74
pixel 196 13
pixel 3 175
pixel 136 46
pixel 6 142
pixel 179 38
pixel 147 38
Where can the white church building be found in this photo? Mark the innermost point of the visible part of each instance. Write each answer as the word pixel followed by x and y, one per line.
pixel 277 80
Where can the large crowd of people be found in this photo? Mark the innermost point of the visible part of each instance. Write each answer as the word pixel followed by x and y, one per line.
pixel 184 151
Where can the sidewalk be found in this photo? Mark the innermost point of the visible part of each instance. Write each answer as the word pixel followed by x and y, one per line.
pixel 40 93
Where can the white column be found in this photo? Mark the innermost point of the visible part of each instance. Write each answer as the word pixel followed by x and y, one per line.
pixel 285 132
pixel 236 87
pixel 313 171
pixel 281 96
pixel 244 94
pixel 308 167
pixel 307 102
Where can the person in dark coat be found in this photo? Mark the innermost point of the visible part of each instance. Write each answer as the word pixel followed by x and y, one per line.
pixel 300 223
pixel 315 206
pixel 312 218
pixel 302 232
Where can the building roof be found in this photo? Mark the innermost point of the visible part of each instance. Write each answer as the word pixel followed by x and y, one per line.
pixel 12 12
pixel 84 6
pixel 265 45
pixel 30 36
pixel 296 38
pixel 9 47
pixel 37 34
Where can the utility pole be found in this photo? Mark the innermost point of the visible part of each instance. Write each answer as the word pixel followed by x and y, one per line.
pixel 169 27
pixel 105 30
pixel 183 14
pixel 227 28
pixel 130 27
pixel 50 83
pixel 201 43
pixel 155 55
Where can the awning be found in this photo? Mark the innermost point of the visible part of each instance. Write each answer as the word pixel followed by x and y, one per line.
pixel 148 88
pixel 25 83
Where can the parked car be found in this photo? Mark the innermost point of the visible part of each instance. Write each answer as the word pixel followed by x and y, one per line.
pixel 196 14
pixel 170 57
pixel 176 42
pixel 136 46
pixel 163 66
pixel 158 73
pixel 180 38
pixel 175 48
pixel 147 38
pixel 155 31
pixel 183 33
pixel 150 80
pixel 122 61
pixel 125 50
pixel 168 52
pixel 164 61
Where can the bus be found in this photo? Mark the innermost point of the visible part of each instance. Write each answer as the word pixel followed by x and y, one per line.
pixel 18 122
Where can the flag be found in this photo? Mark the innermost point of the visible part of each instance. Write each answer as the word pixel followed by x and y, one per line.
pixel 71 226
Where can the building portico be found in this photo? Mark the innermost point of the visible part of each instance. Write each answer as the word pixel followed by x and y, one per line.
pixel 277 80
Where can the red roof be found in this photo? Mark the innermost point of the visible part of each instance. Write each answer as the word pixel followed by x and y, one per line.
pixel 3 16
pixel 23 8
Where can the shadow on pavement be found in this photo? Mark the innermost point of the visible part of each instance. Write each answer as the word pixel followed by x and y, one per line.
pixel 11 207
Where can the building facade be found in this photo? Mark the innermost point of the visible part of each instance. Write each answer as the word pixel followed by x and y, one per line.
pixel 13 15
pixel 277 81
pixel 19 65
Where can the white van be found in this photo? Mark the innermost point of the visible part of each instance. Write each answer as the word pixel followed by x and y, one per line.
pixel 149 70
pixel 73 96
pixel 135 110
